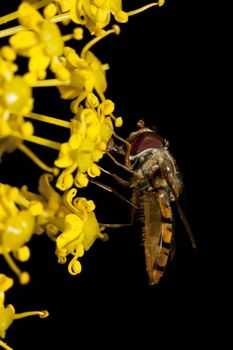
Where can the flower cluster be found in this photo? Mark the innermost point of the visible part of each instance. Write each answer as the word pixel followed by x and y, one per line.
pixel 68 220
pixel 91 130
pixel 41 41
pixel 15 101
pixel 16 227
pixel 40 53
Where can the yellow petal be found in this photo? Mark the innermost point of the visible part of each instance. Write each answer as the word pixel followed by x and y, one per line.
pixel 23 40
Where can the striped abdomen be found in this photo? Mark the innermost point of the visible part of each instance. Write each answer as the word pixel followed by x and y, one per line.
pixel 158 233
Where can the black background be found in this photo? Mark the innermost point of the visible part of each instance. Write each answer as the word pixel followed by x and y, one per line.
pixel 163 69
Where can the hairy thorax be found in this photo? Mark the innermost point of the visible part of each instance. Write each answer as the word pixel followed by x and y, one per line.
pixel 152 169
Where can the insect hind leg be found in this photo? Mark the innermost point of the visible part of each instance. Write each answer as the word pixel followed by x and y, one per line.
pixel 134 209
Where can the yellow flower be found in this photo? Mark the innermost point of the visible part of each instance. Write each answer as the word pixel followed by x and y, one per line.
pixel 6 319
pixel 65 5
pixel 41 41
pixel 16 227
pixel 5 284
pixel 69 221
pixel 15 96
pixel 90 132
pixel 7 67
pixel 7 313
pixel 51 202
pixel 81 229
pixel 15 101
pixel 96 14
pixel 15 93
pixel 86 73
pixel 13 130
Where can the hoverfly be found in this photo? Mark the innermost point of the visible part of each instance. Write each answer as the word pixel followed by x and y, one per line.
pixel 155 184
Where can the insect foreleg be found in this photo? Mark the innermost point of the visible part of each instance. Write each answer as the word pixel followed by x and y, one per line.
pixel 125 167
pixel 127 151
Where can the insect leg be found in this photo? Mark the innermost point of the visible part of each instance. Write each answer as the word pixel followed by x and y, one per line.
pixel 110 189
pixel 117 178
pixel 125 167
pixel 134 208
pixel 127 152
pixel 115 225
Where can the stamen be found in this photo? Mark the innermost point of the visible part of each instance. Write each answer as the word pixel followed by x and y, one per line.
pixel 4 345
pixel 13 15
pixel 75 104
pixel 23 276
pixel 100 93
pixel 17 29
pixel 50 120
pixel 67 37
pixel 115 29
pixel 142 9
pixel 37 160
pixel 60 18
pixel 49 82
pixel 41 314
pixel 39 141
pixel 11 31
pixel 40 4
pixel 21 200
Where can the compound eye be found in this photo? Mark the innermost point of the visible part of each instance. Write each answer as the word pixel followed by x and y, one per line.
pixel 146 140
